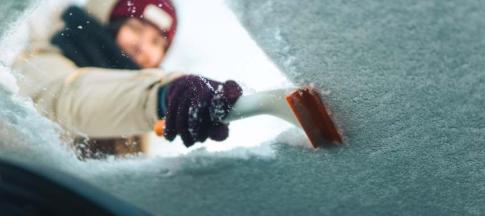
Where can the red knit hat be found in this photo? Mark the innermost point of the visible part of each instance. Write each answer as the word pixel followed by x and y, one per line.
pixel 160 13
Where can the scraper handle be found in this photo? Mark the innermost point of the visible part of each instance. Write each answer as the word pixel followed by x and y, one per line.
pixel 159 127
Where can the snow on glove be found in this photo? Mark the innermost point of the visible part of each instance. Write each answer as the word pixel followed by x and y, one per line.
pixel 196 107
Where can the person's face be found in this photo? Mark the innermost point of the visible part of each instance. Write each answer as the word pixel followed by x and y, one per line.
pixel 142 42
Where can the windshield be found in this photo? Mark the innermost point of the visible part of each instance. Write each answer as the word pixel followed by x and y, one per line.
pixel 402 83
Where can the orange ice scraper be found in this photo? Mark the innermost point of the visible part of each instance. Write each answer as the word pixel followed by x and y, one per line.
pixel 302 107
pixel 314 117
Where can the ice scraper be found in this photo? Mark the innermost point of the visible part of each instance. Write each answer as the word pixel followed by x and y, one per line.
pixel 302 107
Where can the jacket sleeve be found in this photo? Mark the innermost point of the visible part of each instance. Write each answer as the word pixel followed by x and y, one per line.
pixel 96 102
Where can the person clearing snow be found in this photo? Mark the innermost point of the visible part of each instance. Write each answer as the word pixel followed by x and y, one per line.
pixel 98 76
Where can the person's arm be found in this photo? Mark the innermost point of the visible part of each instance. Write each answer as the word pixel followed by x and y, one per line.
pixel 93 101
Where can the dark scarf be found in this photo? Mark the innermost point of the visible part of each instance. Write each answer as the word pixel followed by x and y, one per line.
pixel 88 43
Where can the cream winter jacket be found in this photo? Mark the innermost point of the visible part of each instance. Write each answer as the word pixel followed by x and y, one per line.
pixel 96 102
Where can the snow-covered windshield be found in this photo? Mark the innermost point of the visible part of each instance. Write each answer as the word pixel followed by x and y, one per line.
pixel 405 82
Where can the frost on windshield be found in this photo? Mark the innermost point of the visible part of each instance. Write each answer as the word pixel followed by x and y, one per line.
pixel 405 82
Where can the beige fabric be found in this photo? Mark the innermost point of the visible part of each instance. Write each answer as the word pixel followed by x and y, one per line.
pixel 96 102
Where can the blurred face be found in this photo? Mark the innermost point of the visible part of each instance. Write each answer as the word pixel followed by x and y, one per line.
pixel 142 42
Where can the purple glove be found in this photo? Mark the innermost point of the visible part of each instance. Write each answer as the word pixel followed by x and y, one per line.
pixel 196 106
